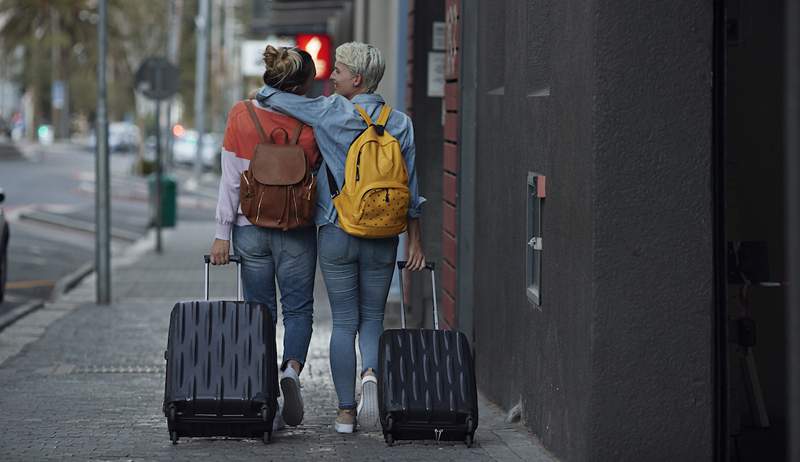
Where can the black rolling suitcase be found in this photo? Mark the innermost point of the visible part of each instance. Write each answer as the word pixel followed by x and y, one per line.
pixel 222 371
pixel 426 384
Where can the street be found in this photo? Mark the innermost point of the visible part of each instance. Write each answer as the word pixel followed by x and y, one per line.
pixel 50 206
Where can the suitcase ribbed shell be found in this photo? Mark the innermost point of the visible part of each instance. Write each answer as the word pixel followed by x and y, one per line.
pixel 427 382
pixel 221 364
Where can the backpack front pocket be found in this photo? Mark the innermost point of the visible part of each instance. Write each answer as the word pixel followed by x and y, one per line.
pixel 385 207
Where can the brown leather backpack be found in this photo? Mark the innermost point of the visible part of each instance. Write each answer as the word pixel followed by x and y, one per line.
pixel 279 190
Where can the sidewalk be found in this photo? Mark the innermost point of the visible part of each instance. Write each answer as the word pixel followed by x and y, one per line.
pixel 85 382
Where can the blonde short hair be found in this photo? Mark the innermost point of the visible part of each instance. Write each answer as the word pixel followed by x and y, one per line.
pixel 363 59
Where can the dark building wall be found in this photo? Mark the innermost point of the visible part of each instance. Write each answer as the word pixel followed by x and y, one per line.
pixel 792 147
pixel 652 207
pixel 612 102
pixel 755 205
pixel 539 356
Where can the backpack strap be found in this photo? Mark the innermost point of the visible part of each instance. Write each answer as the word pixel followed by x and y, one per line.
pixel 364 114
pixel 252 112
pixel 386 111
pixel 332 186
pixel 296 133
pixel 293 139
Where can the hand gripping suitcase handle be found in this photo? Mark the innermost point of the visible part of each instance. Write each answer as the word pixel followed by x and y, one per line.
pixel 429 266
pixel 234 258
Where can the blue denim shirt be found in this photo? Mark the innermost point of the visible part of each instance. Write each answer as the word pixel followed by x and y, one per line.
pixel 336 124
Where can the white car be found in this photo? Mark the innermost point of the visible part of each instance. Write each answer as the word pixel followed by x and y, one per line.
pixel 184 148
pixel 122 137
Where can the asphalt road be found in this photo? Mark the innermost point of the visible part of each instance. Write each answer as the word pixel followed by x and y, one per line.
pixel 50 207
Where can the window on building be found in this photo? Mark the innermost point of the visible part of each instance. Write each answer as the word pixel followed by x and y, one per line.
pixel 533 254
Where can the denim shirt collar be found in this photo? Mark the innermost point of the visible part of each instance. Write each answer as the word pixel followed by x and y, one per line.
pixel 367 98
pixel 362 98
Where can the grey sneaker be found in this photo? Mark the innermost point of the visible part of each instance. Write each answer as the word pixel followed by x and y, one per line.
pixel 292 399
pixel 345 421
pixel 368 418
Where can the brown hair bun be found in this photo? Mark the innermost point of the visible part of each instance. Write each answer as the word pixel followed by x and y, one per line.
pixel 287 69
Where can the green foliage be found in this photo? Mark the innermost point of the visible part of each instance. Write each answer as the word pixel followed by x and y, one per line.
pixel 60 42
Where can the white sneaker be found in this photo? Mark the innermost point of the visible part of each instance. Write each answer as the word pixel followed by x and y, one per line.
pixel 292 399
pixel 368 417
pixel 278 423
pixel 345 421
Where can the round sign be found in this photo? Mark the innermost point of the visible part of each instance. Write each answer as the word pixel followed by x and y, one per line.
pixel 157 78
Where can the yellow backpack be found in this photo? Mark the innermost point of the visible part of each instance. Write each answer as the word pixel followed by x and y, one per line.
pixel 373 201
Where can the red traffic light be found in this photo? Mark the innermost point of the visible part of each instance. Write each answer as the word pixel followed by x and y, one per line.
pixel 319 47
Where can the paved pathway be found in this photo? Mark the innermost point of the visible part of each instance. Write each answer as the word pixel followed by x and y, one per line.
pixel 85 382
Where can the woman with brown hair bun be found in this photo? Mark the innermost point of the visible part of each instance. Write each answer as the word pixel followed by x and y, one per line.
pixel 269 253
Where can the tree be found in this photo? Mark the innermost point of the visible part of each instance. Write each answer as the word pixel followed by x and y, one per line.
pixel 60 42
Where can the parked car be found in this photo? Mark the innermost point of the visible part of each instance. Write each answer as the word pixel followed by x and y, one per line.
pixel 3 248
pixel 5 127
pixel 122 137
pixel 184 148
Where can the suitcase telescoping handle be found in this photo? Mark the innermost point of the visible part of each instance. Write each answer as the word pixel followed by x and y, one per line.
pixel 429 266
pixel 234 258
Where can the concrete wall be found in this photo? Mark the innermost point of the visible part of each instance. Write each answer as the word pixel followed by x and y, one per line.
pixel 612 102
pixel 652 357
pixel 546 352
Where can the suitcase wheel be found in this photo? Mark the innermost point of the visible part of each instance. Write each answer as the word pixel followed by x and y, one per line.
pixel 267 438
pixel 389 438
pixel 173 436
pixel 470 438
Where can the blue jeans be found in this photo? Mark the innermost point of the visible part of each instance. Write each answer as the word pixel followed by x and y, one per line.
pixel 357 273
pixel 291 256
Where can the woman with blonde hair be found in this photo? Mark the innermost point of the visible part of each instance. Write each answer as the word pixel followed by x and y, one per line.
pixel 272 253
pixel 357 271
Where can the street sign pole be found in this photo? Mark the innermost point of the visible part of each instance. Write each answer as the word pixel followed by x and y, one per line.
pixel 159 186
pixel 157 79
pixel 200 85
pixel 102 202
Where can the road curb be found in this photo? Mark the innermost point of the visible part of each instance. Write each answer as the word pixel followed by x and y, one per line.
pixel 77 225
pixel 61 287
pixel 70 281
pixel 19 312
